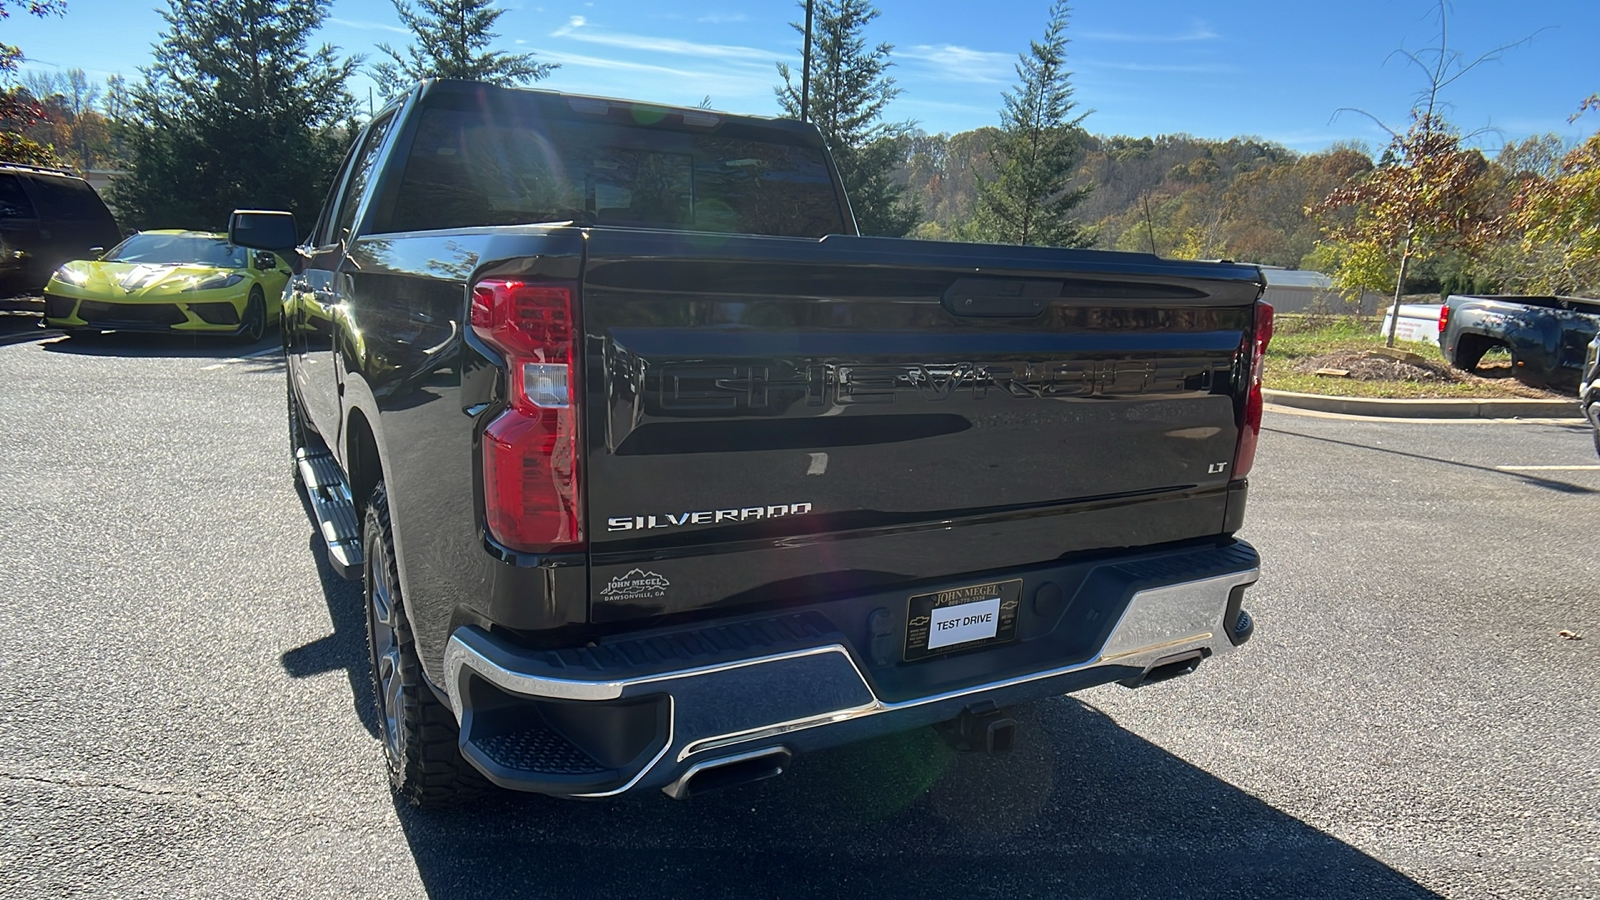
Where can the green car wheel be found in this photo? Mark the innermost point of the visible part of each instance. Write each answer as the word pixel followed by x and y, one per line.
pixel 255 318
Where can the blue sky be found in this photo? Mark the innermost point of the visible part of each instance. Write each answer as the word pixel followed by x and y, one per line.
pixel 1277 69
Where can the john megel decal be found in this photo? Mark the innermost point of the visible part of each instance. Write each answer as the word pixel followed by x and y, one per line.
pixel 636 584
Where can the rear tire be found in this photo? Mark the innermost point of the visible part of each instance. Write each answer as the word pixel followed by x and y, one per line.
pixel 419 732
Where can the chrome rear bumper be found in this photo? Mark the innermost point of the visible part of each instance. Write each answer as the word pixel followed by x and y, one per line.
pixel 680 720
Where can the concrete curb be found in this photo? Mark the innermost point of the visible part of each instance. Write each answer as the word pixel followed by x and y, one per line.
pixel 1428 409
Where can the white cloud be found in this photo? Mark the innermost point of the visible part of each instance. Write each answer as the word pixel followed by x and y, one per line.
pixel 368 26
pixel 600 62
pixel 912 105
pixel 723 19
pixel 578 29
pixel 735 87
pixel 1192 68
pixel 958 63
pixel 1200 32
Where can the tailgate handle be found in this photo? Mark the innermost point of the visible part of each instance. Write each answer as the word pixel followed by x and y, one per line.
pixel 1000 297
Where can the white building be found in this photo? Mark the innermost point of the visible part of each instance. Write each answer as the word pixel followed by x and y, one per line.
pixel 1304 291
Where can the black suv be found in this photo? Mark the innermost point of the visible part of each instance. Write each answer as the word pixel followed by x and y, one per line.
pixel 46 218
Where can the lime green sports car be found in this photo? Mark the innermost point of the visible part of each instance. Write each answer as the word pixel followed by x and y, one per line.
pixel 170 281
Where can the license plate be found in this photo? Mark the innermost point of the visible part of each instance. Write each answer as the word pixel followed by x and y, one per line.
pixel 962 618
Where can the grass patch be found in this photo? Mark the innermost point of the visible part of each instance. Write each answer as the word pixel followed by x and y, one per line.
pixel 1299 339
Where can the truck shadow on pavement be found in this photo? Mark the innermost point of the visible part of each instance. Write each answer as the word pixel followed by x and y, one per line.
pixel 1082 807
pixel 167 346
pixel 1563 487
pixel 346 647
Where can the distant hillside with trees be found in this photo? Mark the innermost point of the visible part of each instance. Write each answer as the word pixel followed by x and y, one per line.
pixel 1256 201
pixel 1174 195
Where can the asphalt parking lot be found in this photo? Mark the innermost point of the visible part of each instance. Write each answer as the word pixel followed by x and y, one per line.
pixel 184 709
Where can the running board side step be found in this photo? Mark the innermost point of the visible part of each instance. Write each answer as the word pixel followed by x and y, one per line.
pixel 334 510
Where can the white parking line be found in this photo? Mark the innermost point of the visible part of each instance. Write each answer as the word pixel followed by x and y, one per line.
pixel 1345 417
pixel 1548 468
pixel 222 365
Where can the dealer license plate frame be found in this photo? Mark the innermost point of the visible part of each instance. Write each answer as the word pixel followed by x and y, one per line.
pixel 920 610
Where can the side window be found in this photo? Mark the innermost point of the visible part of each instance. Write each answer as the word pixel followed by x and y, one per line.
pixel 14 202
pixel 322 232
pixel 360 176
pixel 67 198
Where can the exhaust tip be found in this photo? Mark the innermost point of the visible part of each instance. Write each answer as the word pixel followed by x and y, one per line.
pixel 745 768
pixel 1166 669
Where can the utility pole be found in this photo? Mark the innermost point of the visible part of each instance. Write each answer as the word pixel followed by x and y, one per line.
pixel 805 67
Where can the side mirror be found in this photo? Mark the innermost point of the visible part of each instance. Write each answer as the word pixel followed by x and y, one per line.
pixel 97 252
pixel 265 261
pixel 261 229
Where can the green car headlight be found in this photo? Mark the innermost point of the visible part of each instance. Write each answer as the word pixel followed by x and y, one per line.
pixel 71 275
pixel 212 282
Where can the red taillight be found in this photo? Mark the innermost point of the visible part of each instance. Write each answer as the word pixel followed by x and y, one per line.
pixel 1255 350
pixel 1444 317
pixel 530 451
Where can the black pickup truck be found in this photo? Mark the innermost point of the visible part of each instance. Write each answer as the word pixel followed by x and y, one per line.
pixel 656 473
pixel 1546 337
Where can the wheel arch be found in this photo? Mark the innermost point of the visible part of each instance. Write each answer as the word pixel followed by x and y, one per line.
pixel 1470 346
pixel 363 461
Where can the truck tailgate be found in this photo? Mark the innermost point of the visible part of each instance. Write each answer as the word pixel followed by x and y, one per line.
pixel 772 420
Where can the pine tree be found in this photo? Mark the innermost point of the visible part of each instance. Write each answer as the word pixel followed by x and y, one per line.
pixel 452 37
pixel 1029 200
pixel 235 112
pixel 848 92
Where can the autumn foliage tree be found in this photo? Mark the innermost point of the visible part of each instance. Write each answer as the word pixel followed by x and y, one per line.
pixel 1427 197
pixel 1560 222
pixel 19 109
pixel 1430 199
pixel 71 123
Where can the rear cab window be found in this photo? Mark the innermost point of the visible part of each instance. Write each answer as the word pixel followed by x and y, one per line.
pixel 523 161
